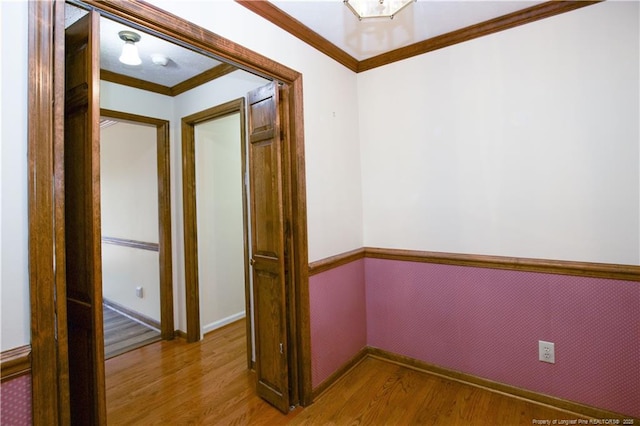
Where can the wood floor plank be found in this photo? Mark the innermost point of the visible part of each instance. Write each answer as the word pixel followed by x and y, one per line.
pixel 207 383
pixel 122 333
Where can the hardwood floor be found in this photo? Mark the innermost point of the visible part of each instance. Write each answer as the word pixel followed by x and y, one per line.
pixel 206 383
pixel 122 334
pixel 378 392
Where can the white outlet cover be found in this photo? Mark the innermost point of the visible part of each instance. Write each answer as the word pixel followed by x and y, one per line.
pixel 546 352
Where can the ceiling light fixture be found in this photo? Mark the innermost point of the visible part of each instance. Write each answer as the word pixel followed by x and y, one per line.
pixel 129 54
pixel 365 9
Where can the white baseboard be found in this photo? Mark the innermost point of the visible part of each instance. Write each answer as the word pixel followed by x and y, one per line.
pixel 222 322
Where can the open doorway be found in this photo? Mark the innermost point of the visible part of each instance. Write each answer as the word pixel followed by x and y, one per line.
pixel 215 203
pixel 53 349
pixel 137 284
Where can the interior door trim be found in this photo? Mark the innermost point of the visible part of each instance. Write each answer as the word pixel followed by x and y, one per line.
pixel 47 283
pixel 50 394
pixel 163 155
pixel 190 216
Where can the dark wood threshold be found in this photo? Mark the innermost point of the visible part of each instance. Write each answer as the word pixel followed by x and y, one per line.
pixel 15 362
pixel 180 334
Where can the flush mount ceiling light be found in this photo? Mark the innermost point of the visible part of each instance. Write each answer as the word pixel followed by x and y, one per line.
pixel 365 9
pixel 129 54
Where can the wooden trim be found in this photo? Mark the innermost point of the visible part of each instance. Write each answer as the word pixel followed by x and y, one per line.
pixel 346 367
pixel 41 70
pixel 184 32
pixel 470 379
pixel 285 21
pixel 15 362
pixel 60 269
pixel 180 334
pixel 284 96
pixel 142 245
pixel 335 261
pixel 125 80
pixel 511 20
pixel 190 218
pixel 297 237
pixel 190 231
pixel 131 313
pixel 42 132
pixel 133 118
pixel 246 236
pixel 291 25
pixel 205 77
pixel 164 246
pixel 164 230
pixel 559 267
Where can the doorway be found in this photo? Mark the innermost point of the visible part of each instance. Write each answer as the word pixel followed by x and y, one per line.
pixel 49 350
pixel 136 229
pixel 215 219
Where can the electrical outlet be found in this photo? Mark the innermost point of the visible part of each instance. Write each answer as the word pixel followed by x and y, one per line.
pixel 546 352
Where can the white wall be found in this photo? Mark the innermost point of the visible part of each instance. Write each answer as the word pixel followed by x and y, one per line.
pixel 123 98
pixel 129 206
pixel 230 87
pixel 523 143
pixel 331 140
pixel 334 204
pixel 14 272
pixel 455 87
pixel 221 256
pixel 129 182
pixel 135 101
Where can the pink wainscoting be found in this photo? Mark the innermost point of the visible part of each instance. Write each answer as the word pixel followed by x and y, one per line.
pixel 487 323
pixel 338 318
pixel 15 401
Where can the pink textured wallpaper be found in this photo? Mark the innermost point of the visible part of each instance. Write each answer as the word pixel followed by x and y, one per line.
pixel 338 318
pixel 488 322
pixel 15 400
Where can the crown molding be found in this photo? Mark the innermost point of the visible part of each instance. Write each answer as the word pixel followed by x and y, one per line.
pixel 276 16
pixel 291 25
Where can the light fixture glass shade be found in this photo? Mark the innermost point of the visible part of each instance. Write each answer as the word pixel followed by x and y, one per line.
pixel 365 9
pixel 129 54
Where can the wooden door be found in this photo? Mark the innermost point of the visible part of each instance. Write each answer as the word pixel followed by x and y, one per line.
pixel 268 246
pixel 82 222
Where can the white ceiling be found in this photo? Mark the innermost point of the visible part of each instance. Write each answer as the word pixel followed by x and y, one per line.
pixel 331 19
pixel 182 65
pixel 421 20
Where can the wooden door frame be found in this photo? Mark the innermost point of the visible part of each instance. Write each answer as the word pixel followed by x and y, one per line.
pixel 163 155
pixel 50 392
pixel 190 217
